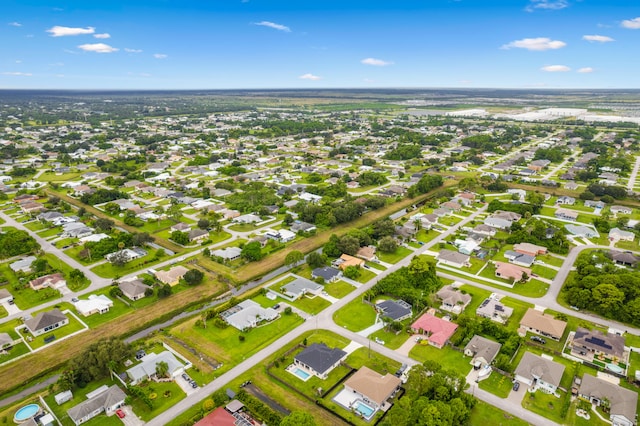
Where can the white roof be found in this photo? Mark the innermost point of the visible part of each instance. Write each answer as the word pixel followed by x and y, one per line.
pixel 147 367
pixel 96 302
pixel 93 238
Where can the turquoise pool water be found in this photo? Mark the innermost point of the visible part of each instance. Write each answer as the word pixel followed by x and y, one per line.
pixel 26 412
pixel 615 368
pixel 301 373
pixel 364 409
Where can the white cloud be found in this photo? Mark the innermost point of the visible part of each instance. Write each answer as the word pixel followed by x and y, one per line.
pixel 103 35
pixel 97 47
pixel 273 25
pixel 632 24
pixel 15 24
pixel 547 4
pixel 376 62
pixel 309 76
pixel 59 31
pixel 18 74
pixel 598 38
pixel 128 50
pixel 556 68
pixel 538 44
pixel 585 70
pixel 60 75
pixel 160 56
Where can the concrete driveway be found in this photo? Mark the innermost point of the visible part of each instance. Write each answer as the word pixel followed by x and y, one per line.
pixel 130 419
pixel 12 309
pixel 185 386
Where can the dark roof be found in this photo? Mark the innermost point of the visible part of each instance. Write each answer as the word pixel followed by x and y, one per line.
pixel 45 319
pixel 611 344
pixel 624 257
pixel 327 272
pixel 394 309
pixel 320 357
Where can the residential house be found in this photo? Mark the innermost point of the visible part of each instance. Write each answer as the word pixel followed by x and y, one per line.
pixel 566 214
pixel 218 417
pixel 95 304
pixel 594 204
pixel 248 218
pixel 452 258
pixel 319 360
pixel 624 258
pixel 530 249
pixel 582 231
pixel 299 287
pixel 146 369
pixel 510 216
pixel 539 323
pixel 451 205
pixel 300 226
pixel 493 309
pixel 5 296
pixel 438 331
pixel 52 280
pixel 134 289
pixel 172 276
pixel 6 341
pixel 485 230
pixel 372 387
pixel 565 200
pixel 227 253
pixel 248 314
pixel 198 235
pixel 453 300
pixel 127 254
pixel 498 223
pixel 622 402
pixel 397 310
pixel 621 210
pixel 47 321
pixel 482 350
pixel 107 401
pixel 327 273
pixel 76 230
pixel 467 246
pixel 519 258
pixel 345 260
pixel 282 235
pixel 22 265
pixel 539 373
pixel 180 227
pixel 511 272
pixel 617 234
pixel 367 253
pixel 594 343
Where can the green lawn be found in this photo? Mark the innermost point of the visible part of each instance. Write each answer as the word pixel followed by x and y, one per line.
pixel 377 266
pixel 551 260
pixel 118 308
pixel 364 357
pixel 365 275
pixel 446 356
pixel 485 414
pixel 79 395
pixel 73 326
pixel 545 405
pixel 311 305
pixel 3 312
pixel 519 309
pixel 391 340
pixel 168 394
pixel 478 295
pixel 225 346
pixel 543 272
pixel 14 352
pixel 574 420
pixel 395 257
pixel 26 298
pixel 338 289
pixel 108 270
pixel 355 316
pixel 497 384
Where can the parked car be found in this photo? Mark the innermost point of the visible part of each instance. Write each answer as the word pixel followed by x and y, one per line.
pixel 516 386
pixel 538 339
pixel 120 413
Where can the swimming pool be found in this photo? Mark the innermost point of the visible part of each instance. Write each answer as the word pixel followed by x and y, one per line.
pixel 301 373
pixel 26 412
pixel 615 368
pixel 363 409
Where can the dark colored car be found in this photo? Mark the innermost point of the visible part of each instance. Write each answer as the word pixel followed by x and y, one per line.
pixel 516 386
pixel 538 339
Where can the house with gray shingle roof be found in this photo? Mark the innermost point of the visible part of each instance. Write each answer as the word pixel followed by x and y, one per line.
pixel 108 402
pixel 46 321
pixel 319 359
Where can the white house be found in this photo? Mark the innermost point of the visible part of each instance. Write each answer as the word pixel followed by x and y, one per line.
pixel 95 304
pixel 539 373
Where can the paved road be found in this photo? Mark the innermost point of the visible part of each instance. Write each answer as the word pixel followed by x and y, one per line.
pixel 634 174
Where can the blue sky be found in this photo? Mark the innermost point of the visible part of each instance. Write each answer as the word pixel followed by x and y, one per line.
pixel 225 44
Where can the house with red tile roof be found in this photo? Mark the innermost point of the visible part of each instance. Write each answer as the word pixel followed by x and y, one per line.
pixel 438 331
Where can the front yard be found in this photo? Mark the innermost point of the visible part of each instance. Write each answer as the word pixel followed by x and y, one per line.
pixel 355 316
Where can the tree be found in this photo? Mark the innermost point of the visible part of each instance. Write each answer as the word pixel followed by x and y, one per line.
pixel 352 272
pixel 40 265
pixel 119 259
pixel 293 257
pixel 98 359
pixel 316 260
pixel 180 237
pixel 193 276
pixel 164 291
pixel 298 418
pixel 383 228
pixel 103 224
pixel 141 239
pixel 252 251
pixel 348 244
pixel 387 244
pixel 162 369
pixel 203 223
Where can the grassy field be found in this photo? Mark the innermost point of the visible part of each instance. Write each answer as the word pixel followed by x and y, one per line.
pixel 391 340
pixel 446 356
pixel 497 384
pixel 22 371
pixel 485 414
pixel 355 316
pixel 545 405
pixel 39 341
pixel 224 345
pixel 168 394
pixel 338 289
pixel 396 256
